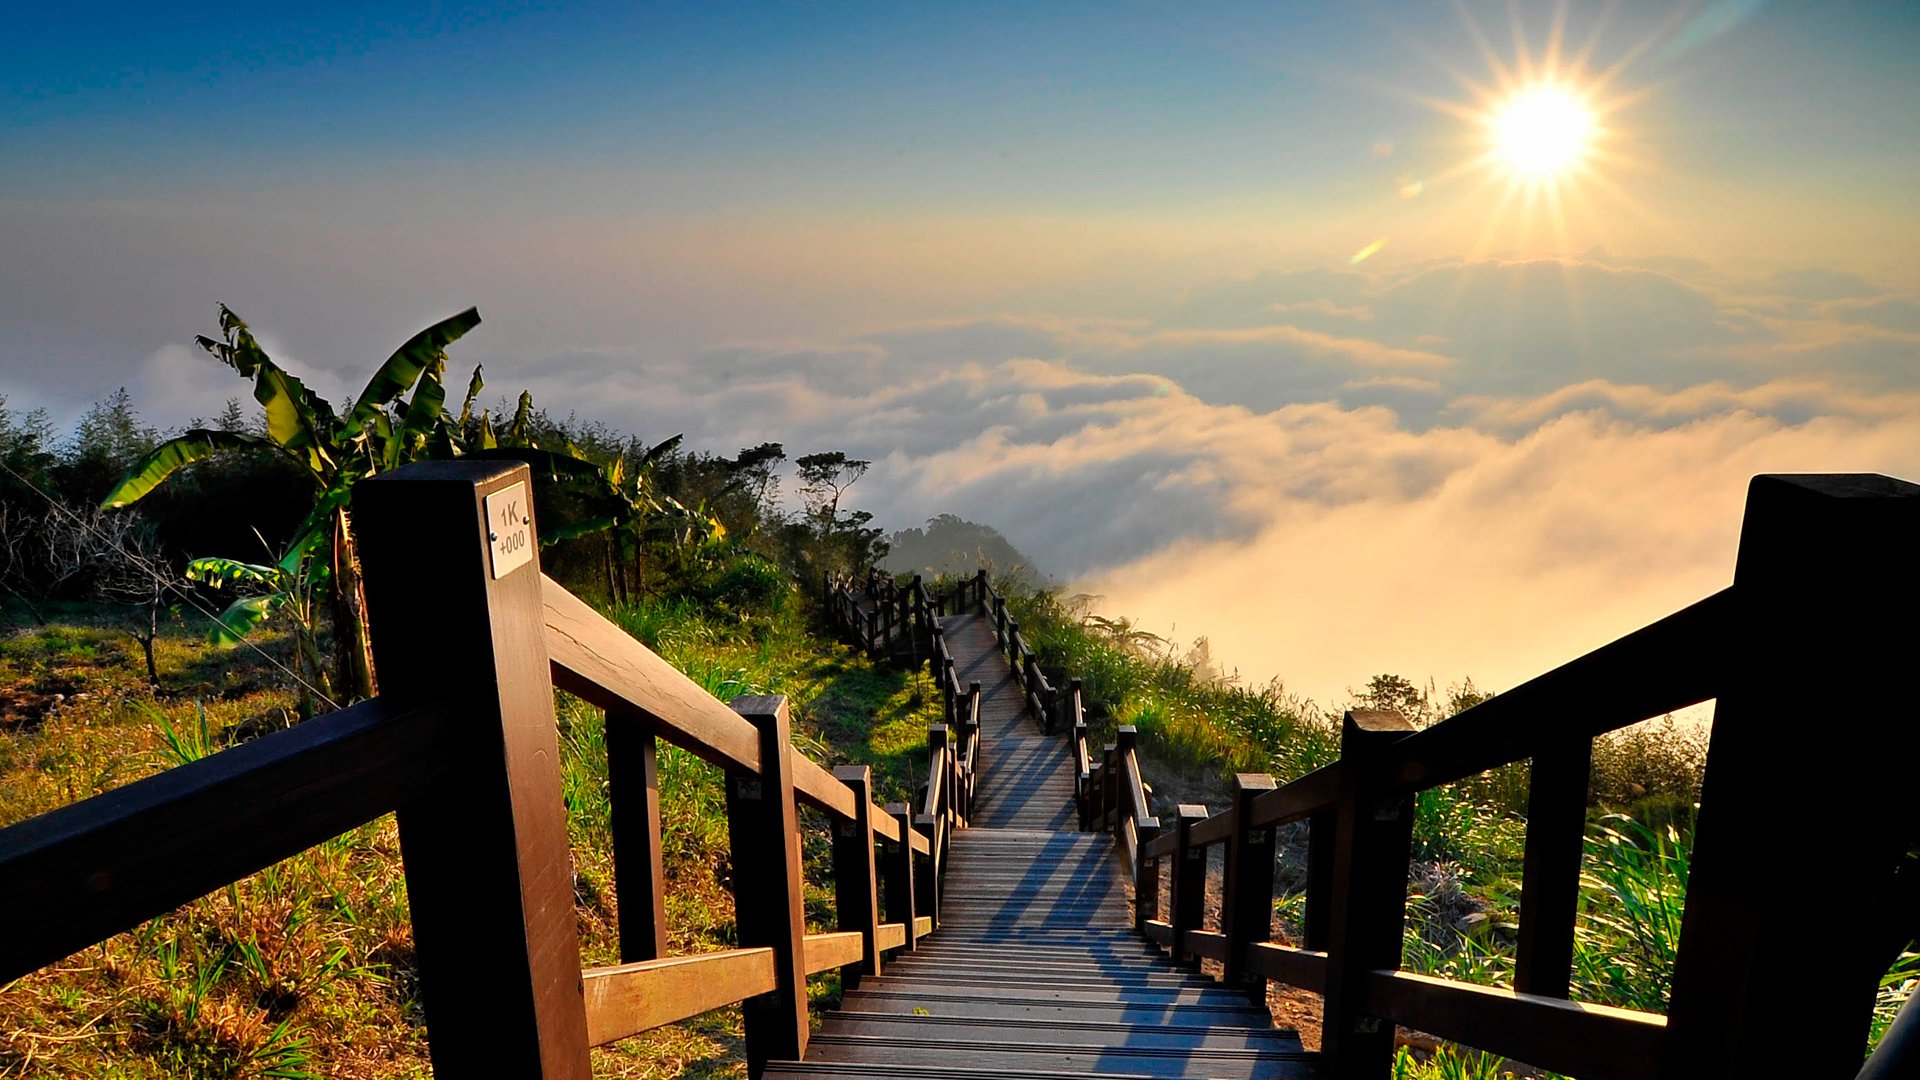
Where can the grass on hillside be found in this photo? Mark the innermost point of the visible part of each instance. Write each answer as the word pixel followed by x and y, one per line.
pixel 307 969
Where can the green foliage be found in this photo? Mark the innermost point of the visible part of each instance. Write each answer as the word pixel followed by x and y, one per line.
pixel 1633 889
pixel 1191 717
pixel 380 432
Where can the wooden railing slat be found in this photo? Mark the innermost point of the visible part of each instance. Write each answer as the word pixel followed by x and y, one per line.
pixel 1300 798
pixel 1677 661
pixel 1595 1042
pixel 834 949
pixel 1304 968
pixel 88 870
pixel 628 999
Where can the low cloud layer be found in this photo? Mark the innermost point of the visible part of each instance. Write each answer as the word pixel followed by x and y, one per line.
pixel 1463 468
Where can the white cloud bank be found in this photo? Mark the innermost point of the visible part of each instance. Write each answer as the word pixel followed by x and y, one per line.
pixel 1475 469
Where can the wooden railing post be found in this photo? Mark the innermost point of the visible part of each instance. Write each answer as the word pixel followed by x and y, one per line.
pixel 639 874
pixel 1000 621
pixel 856 887
pixel 1825 594
pixel 1322 834
pixel 920 627
pixel 1109 787
pixel 1246 893
pixel 1189 885
pixel 1091 798
pixel 763 828
pixel 980 587
pixel 898 871
pixel 454 595
pixel 975 745
pixel 1550 877
pixel 1369 896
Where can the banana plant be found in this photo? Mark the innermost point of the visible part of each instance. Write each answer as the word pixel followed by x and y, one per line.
pixel 379 431
pixel 286 587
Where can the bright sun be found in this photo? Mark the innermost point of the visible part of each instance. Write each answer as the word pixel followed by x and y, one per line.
pixel 1541 132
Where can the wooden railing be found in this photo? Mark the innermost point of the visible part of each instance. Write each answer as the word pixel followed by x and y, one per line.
pixel 1821 610
pixel 905 625
pixel 470 639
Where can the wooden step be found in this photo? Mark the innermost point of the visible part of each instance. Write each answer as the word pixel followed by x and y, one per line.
pixel 1062 1032
pixel 1235 1012
pixel 1028 992
pixel 1062 1058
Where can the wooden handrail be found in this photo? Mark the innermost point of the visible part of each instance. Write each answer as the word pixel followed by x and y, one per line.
pixel 1678 661
pixel 91 869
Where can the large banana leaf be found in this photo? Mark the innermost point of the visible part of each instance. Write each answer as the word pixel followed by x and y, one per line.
pixel 401 370
pixel 473 391
pixel 557 466
pixel 428 404
pixel 653 456
pixel 315 528
pixel 221 573
pixel 175 454
pixel 297 418
pixel 243 616
pixel 239 351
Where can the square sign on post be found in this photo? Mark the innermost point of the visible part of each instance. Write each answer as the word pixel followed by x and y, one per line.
pixel 509 529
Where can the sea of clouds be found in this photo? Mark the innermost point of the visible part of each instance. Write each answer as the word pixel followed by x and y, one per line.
pixel 1454 468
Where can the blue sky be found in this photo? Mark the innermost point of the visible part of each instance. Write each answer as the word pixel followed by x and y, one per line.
pixel 1085 272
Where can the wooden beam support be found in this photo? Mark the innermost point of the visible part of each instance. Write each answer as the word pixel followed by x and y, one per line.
pixel 856 888
pixel 639 873
pixel 1189 899
pixel 1246 896
pixel 454 594
pixel 763 827
pixel 1824 593
pixel 897 870
pixel 1369 896
pixel 1550 876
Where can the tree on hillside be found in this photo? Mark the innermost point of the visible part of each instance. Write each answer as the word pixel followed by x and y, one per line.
pixel 380 431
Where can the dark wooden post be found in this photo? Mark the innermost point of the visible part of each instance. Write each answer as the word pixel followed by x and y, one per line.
pixel 1124 738
pixel 1000 621
pixel 1825 595
pixel 856 886
pixel 898 871
pixel 980 590
pixel 1550 879
pixel 1369 902
pixel 639 875
pixel 763 829
pixel 920 628
pixel 454 595
pixel 1322 831
pixel 926 878
pixel 1246 894
pixel 1013 650
pixel 1189 884
pixel 1146 877
pixel 950 685
pixel 1109 787
pixel 1096 790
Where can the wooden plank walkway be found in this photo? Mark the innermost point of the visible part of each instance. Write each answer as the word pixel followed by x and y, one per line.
pixel 1036 970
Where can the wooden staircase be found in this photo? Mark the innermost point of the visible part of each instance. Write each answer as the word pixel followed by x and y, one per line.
pixel 1036 969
